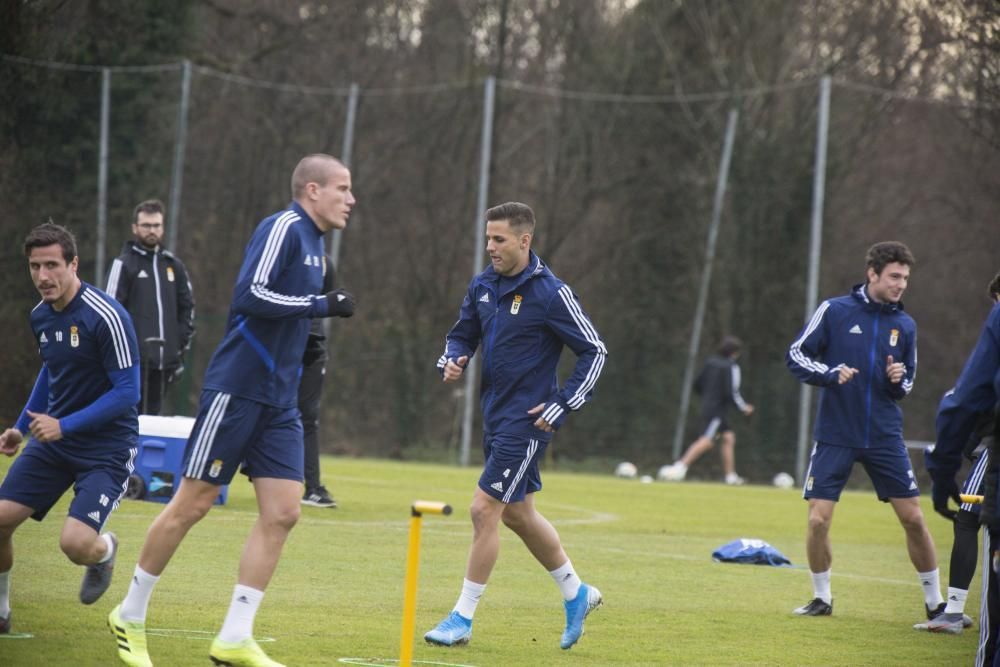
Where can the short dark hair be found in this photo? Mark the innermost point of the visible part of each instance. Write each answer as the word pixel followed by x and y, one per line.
pixel 48 234
pixel 148 206
pixel 995 287
pixel 515 213
pixel 887 252
pixel 730 345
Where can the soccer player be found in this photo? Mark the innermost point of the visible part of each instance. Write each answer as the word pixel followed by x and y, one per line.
pixel 965 545
pixel 81 416
pixel 862 349
pixel 521 315
pixel 976 391
pixel 153 285
pixel 719 386
pixel 248 415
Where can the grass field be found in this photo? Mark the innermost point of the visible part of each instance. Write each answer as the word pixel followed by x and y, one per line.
pixel 339 588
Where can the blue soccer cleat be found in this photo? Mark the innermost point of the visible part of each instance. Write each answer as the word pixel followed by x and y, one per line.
pixel 452 631
pixel 587 600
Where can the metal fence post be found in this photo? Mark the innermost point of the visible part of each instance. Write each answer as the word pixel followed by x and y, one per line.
pixel 706 280
pixel 485 156
pixel 177 178
pixel 815 245
pixel 102 177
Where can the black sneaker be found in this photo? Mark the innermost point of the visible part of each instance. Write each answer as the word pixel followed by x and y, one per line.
pixel 97 578
pixel 938 613
pixel 319 497
pixel 815 607
pixel 5 625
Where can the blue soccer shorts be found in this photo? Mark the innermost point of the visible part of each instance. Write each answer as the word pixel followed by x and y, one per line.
pixel 889 469
pixel 714 425
pixel 231 431
pixel 511 469
pixel 46 470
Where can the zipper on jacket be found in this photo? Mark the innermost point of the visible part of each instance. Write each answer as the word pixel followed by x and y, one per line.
pixel 492 339
pixel 871 378
pixel 159 304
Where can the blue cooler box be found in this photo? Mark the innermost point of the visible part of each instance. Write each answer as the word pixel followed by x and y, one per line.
pixel 158 465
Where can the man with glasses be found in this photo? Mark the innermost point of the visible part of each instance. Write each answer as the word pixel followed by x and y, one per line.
pixel 153 285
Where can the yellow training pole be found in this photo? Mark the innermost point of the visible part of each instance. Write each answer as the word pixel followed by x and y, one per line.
pixel 417 510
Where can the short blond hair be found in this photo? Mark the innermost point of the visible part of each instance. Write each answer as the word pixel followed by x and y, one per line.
pixel 313 168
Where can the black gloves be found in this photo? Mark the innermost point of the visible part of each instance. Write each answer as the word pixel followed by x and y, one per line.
pixel 944 487
pixel 340 303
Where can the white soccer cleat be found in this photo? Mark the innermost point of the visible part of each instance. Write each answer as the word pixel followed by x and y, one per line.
pixel 672 473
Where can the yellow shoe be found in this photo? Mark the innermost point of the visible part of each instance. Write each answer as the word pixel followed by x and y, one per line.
pixel 131 636
pixel 241 654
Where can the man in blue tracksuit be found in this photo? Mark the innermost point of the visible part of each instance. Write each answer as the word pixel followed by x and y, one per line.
pixel 520 316
pixel 976 391
pixel 81 416
pixel 248 416
pixel 862 350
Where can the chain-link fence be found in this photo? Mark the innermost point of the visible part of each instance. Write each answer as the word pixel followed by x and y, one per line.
pixel 623 187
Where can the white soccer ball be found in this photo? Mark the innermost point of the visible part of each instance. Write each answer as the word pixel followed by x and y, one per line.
pixel 627 470
pixel 784 481
pixel 646 479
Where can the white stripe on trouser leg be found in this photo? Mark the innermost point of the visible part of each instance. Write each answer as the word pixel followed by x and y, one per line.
pixel 216 411
pixel 532 448
pixel 988 576
pixel 805 480
pixel 713 426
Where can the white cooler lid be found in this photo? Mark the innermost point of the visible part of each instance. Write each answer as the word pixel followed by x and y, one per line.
pixel 166 427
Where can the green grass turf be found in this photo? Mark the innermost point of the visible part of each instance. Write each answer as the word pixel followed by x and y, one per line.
pixel 338 590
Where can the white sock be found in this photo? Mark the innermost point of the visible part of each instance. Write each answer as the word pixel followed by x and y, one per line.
pixel 469 599
pixel 931 583
pixel 110 550
pixel 239 620
pixel 5 594
pixel 956 600
pixel 567 580
pixel 821 586
pixel 133 607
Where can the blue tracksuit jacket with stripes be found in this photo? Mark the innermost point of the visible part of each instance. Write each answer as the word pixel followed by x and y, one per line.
pixel 277 293
pixel 90 377
pixel 976 391
pixel 521 333
pixel 857 332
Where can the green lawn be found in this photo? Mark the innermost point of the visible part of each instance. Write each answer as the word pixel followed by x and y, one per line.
pixel 339 588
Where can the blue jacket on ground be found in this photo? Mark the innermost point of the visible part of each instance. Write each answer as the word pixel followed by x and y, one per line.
pixel 521 332
pixel 856 332
pixel 276 294
pixel 976 391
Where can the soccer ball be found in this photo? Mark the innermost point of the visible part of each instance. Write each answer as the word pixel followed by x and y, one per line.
pixel 784 481
pixel 627 470
pixel 646 479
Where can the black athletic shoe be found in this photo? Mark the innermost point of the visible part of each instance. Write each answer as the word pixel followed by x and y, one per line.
pixel 97 578
pixel 5 625
pixel 815 607
pixel 319 497
pixel 939 611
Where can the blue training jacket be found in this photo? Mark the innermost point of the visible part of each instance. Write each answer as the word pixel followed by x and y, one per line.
pixel 276 295
pixel 976 391
pixel 90 374
pixel 857 332
pixel 521 333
